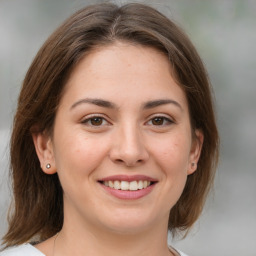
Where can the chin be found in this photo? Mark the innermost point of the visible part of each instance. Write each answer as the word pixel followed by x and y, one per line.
pixel 128 229
pixel 130 222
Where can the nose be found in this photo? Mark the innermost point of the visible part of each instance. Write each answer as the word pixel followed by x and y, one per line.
pixel 128 147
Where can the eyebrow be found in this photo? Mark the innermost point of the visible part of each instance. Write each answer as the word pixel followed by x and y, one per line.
pixel 97 102
pixel 108 104
pixel 157 103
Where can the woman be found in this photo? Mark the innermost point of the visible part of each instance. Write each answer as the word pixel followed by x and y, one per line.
pixel 114 140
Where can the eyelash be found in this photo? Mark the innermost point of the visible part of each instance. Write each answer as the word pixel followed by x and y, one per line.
pixel 166 121
pixel 88 120
pixel 103 122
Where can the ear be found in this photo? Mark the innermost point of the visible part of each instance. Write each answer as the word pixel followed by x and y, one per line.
pixel 196 147
pixel 44 149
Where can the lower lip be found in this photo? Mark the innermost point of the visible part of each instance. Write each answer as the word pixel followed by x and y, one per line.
pixel 128 194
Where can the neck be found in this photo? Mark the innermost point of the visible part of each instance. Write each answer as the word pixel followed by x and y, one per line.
pixel 78 240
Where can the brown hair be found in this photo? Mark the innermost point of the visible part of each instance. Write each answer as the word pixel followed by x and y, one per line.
pixel 38 202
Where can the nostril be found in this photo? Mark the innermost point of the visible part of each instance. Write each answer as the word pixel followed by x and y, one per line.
pixel 129 163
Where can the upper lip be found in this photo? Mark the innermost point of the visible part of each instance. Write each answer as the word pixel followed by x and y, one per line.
pixel 128 178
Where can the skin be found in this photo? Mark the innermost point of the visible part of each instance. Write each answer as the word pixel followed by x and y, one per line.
pixel 126 139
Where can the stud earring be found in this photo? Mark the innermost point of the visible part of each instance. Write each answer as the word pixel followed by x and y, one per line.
pixel 48 166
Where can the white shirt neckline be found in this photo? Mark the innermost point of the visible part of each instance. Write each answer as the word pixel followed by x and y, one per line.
pixel 30 250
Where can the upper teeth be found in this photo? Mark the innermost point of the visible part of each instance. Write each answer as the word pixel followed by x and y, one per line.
pixel 126 185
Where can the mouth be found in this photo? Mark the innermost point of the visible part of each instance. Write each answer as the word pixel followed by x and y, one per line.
pixel 128 187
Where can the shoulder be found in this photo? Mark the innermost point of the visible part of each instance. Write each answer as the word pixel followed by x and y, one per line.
pixel 22 250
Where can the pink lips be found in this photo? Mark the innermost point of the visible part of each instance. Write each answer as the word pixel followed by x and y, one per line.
pixel 128 194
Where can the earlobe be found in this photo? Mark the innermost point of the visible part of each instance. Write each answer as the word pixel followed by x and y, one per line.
pixel 44 150
pixel 195 152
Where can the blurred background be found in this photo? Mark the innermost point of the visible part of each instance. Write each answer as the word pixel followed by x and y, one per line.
pixel 224 32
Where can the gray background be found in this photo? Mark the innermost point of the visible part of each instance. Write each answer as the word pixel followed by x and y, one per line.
pixel 224 33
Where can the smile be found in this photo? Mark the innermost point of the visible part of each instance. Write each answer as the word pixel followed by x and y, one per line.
pixel 126 185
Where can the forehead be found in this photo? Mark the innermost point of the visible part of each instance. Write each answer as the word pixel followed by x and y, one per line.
pixel 124 69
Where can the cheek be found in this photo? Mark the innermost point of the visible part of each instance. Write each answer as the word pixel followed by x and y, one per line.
pixel 172 156
pixel 77 155
pixel 173 151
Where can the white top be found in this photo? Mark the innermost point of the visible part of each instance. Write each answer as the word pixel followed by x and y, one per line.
pixel 30 250
pixel 22 250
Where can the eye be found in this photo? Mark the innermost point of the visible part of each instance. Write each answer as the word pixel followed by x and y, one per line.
pixel 160 121
pixel 95 121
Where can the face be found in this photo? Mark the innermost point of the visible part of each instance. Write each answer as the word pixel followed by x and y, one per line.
pixel 122 143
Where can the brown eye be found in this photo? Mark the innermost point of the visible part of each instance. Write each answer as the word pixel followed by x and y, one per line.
pixel 96 121
pixel 158 120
